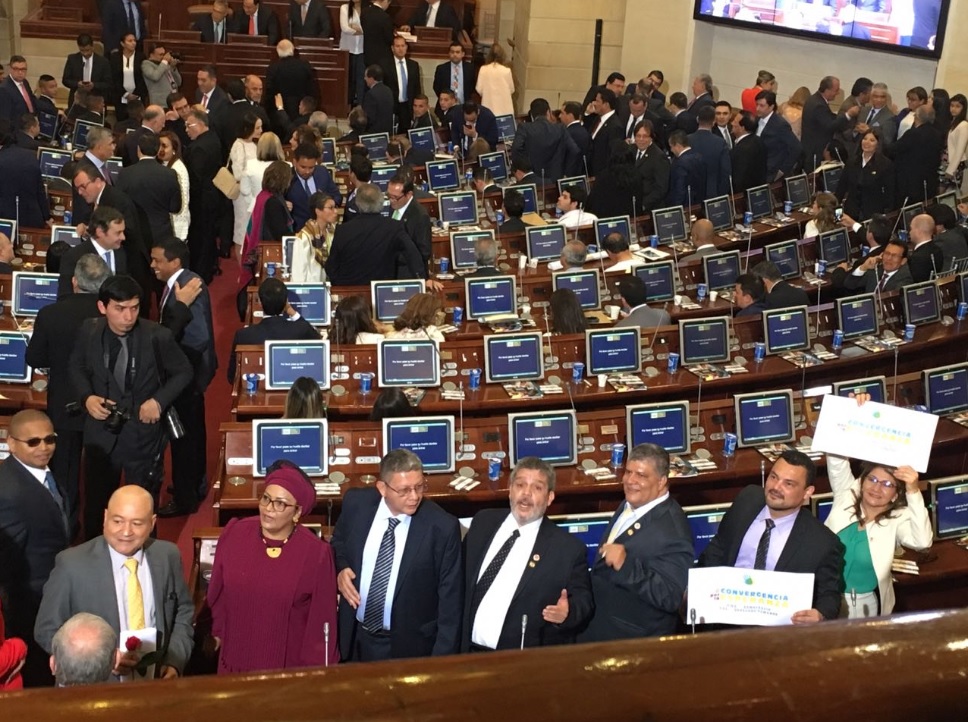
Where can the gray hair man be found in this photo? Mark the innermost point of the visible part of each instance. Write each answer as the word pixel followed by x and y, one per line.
pixel 84 651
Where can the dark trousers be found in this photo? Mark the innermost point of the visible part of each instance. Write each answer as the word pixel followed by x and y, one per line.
pixel 404 113
pixel 356 84
pixel 188 452
pixel 65 465
pixel 370 647
pixel 202 250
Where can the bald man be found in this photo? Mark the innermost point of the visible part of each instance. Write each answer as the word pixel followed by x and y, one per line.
pixel 703 238
pixel 925 255
pixel 85 651
pixel 125 563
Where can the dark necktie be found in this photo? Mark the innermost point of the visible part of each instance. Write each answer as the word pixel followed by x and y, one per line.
pixel 121 364
pixel 763 548
pixel 870 116
pixel 883 282
pixel 490 574
pixel 377 597
pixel 639 156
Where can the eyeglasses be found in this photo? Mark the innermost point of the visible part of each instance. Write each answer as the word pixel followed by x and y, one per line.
pixel 329 208
pixel 417 490
pixel 886 483
pixel 36 441
pixel 190 125
pixel 82 186
pixel 275 504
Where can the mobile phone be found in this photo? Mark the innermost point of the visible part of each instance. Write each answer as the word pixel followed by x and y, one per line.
pixel 839 213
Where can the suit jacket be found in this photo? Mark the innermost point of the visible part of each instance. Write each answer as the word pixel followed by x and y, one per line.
pixel 20 178
pixel 653 169
pixel 45 104
pixel 117 77
pixel 699 254
pixel 784 295
pixel 866 190
pixel 128 147
pixel 300 201
pixel 700 101
pixel 924 260
pixel 428 597
pixel 217 103
pixel 203 160
pixel 191 327
pixel 416 222
pixel 646 318
pixel 562 563
pixel 869 281
pixel 601 148
pixel 293 78
pixel 810 548
pixel 26 142
pixel 378 103
pixel 916 155
pixel 446 18
pixel 114 23
pixel 82 581
pixel 687 180
pixel 749 159
pixel 583 141
pixel 783 150
pixel 55 329
pixel 100 75
pixel 316 25
pixel 12 105
pixel 227 124
pixel 953 244
pixel 139 255
pixel 367 250
pixel 486 127
pixel 156 193
pixel 715 154
pixel 443 75
pixel 882 121
pixel 413 84
pixel 817 128
pixel 266 24
pixel 550 148
pixel 69 261
pixel 206 26
pixel 685 121
pixel 271 328
pixel 378 36
pixel 642 598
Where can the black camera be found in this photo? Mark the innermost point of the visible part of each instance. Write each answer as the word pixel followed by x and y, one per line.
pixel 116 419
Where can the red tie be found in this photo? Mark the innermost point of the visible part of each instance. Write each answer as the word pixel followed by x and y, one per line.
pixel 252 25
pixel 23 92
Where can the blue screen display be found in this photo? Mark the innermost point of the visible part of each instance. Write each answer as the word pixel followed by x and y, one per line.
pixel 786 330
pixel 613 351
pixel 786 258
pixel 659 279
pixel 381 175
pixel 496 163
pixel 588 529
pixel 857 316
pixel 759 202
pixel 874 387
pixel 432 439
pixel 704 341
pixel 548 436
pixel 764 419
pixel 443 175
pixel 376 145
pixel 604 226
pixel 490 296
pixel 462 247
pixel 667 426
pixel 459 208
pixel 13 357
pixel 834 246
pixel 670 224
pixel 513 358
pixel 505 127
pixel 584 284
pixel 389 297
pixel 921 303
pixel 947 390
pixel 951 508
pixel 311 301
pixel 409 363
pixel 287 361
pixel 422 139
pixel 530 194
pixel 719 212
pixel 304 444
pixel 545 242
pixel 704 523
pixel 33 291
pixel 51 162
pixel 721 270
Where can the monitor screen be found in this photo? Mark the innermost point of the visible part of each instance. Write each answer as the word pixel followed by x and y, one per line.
pixel 490 296
pixel 704 340
pixel 8 228
pixel 48 124
pixel 52 160
pixel 549 435
pixel 585 285
pixel 721 270
pixel 430 437
pixel 764 418
pixel 304 442
pixel 329 151
pixel 577 180
pixel 946 388
pixel 617 224
pixel 820 506
pixel 857 315
pixel 798 190
pixel 113 166
pixel 831 177
pixel 462 254
pixel 949 507
pixel 908 213
pixel 381 176
pixel 389 297
pixel 13 357
pixel 660 280
pixel 496 163
pixel 785 256
pixel 506 127
pixel 589 529
pixel 704 523
pixel 376 145
pixel 311 301
pixel 288 243
pixel 949 199
pixel 423 139
pixel 443 175
pixel 81 129
pixel 613 350
pixel 32 291
pixel 513 357
pixel 528 191
pixel 545 242
pixel 459 209
pixel 876 386
pixel 408 362
pixel 286 361
pixel 785 329
pixel 67 234
pixel 759 201
pixel 719 212
pixel 670 224
pixel 665 424
pixel 835 246
pixel 921 303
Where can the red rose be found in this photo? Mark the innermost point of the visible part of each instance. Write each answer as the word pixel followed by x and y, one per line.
pixel 132 644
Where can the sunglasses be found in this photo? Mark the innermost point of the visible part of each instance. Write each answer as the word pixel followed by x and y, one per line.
pixel 36 441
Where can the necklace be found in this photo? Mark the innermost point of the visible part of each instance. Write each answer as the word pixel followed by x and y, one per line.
pixel 275 552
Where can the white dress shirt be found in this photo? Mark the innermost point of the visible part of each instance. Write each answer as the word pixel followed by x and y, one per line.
pixel 127 76
pixel 601 122
pixel 746 557
pixel 761 124
pixel 577 218
pixel 170 289
pixel 370 551
pixel 432 14
pixel 106 254
pixel 120 573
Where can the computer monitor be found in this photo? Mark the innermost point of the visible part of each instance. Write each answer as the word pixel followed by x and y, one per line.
pixel 48 124
pixel 67 234
pixel 721 270
pixel 908 213
pixel 759 201
pixel 458 209
pixel 513 357
pixel 576 180
pixel 443 175
pixel 786 329
pixel 376 145
pixel 764 417
pixel 8 227
pixel 462 253
pixel 834 246
pixel 529 192
pixel 876 386
pixel 423 139
pixel 798 190
pixel 81 129
pixel 665 424
pixel 506 127
pixel 616 224
pixel 52 161
pixel 381 175
pixel 490 296
pixel 584 284
pixel 786 256
pixel 670 224
pixel 311 301
pixel 921 303
pixel 949 506
pixel 704 523
pixel 857 315
pixel 613 350
pixel 549 435
pixel 831 177
pixel 704 340
pixel 329 151
pixel 659 279
pixel 389 297
pixel 304 442
pixel 589 529
pixel 429 437
pixel 545 242
pixel 950 199
pixel 496 163
pixel 32 291
pixel 286 361
pixel 113 166
pixel 946 388
pixel 408 362
pixel 288 243
pixel 13 357
pixel 719 212
pixel 820 505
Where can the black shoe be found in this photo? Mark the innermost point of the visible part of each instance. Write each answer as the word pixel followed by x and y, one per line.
pixel 171 509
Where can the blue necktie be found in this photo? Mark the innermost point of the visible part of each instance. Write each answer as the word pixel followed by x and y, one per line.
pixel 377 597
pixel 403 81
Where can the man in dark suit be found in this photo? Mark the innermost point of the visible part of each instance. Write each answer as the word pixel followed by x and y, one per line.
pixel 615 82
pixel 749 155
pixel 208 94
pixel 214 27
pixel 456 74
pixel 378 34
pixel 416 220
pixel 292 78
pixel 749 295
pixel 571 114
pixel 783 150
pixel 119 17
pixel 245 97
pixel 687 177
pixel 33 531
pixel 55 329
pixel 949 236
pixel 16 97
pixel 86 69
pixel 368 249
pixel 186 310
pixel 203 159
pixel 702 90
pixel 608 127
pixel 104 236
pixel 642 566
pixel 378 102
pixel 485 257
pixel 124 365
pixel 435 14
pixel 257 20
pixel 397 605
pixel 915 154
pixel 779 293
pixel 635 307
pixel 22 192
pixel 46 95
pixel 819 123
pixel 513 210
pixel 879 230
pixel 154 189
pixel 526 580
pixel 771 529
pixel 926 257
pixel 308 177
pixel 682 119
pixel 404 81
pixel 652 167
pixel 714 153
pixel 474 121
pixel 309 19
pixel 548 145
pixel 152 123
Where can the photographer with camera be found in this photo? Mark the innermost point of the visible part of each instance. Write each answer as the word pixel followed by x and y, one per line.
pixel 126 372
pixel 160 70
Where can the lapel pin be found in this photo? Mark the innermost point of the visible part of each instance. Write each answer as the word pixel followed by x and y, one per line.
pixel 531 564
pixel 537 557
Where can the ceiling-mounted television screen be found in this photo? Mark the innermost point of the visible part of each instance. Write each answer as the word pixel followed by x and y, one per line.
pixel 913 27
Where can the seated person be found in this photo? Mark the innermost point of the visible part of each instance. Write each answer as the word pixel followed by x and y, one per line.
pixel 419 318
pixel 566 312
pixel 484 183
pixel 779 293
pixel 635 311
pixel 357 121
pixel 392 403
pixel 573 255
pixel 571 203
pixel 748 295
pixel 353 322
pixel 304 400
pixel 485 255
pixel 513 210
pixel 617 247
pixel 54 254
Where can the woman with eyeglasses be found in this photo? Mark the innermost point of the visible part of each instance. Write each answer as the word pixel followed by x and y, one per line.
pixel 872 514
pixel 273 587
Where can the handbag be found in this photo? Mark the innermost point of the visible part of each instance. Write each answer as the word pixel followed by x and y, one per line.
pixel 226 183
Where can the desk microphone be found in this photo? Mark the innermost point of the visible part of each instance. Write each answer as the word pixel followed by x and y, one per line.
pixel 695 432
pixel 763 473
pixel 655 331
pixel 692 619
pixel 900 215
pixel 326 642
pixel 749 246
pixel 524 628
pixel 925 184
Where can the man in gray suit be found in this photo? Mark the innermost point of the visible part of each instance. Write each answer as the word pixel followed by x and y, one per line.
pixel 702 236
pixel 878 117
pixel 637 311
pixel 887 272
pixel 102 575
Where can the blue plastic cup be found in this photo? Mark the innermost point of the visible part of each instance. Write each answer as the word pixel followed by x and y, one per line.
pixel 366 382
pixel 475 379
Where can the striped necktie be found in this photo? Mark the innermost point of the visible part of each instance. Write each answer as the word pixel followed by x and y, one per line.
pixel 377 597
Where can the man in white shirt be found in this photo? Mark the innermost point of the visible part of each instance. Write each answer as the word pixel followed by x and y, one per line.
pixel 570 203
pixel 617 248
pixel 100 147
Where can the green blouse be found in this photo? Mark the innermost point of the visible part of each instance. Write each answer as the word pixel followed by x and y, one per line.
pixel 859 572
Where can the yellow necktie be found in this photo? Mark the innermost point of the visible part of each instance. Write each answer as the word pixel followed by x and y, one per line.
pixel 620 522
pixel 136 604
